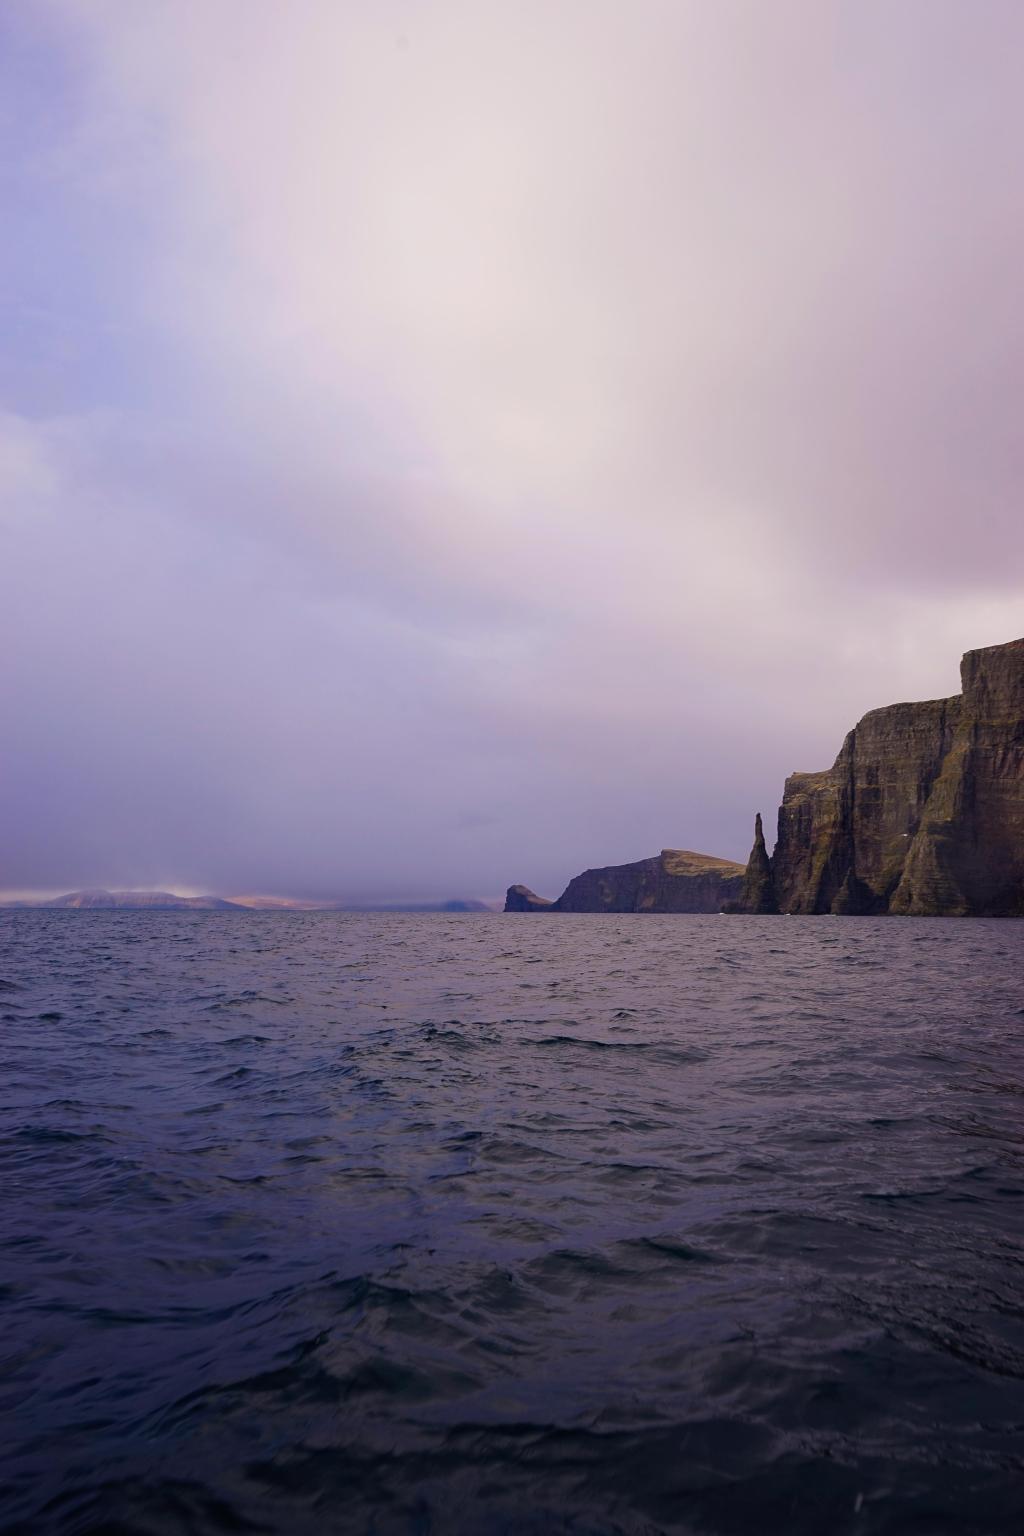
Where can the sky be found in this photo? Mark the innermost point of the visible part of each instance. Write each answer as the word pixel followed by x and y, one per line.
pixel 448 443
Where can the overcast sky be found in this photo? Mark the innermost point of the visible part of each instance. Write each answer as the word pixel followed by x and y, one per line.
pixel 453 442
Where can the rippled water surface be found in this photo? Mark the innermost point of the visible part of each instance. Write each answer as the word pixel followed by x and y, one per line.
pixel 327 1222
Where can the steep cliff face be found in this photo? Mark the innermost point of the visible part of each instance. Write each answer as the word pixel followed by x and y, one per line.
pixel 968 856
pixel 676 880
pixel 844 835
pixel 921 813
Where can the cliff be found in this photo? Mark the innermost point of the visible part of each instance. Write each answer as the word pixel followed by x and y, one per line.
pixel 922 812
pixel 675 880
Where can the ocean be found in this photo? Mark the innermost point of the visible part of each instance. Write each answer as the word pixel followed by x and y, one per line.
pixel 316 1222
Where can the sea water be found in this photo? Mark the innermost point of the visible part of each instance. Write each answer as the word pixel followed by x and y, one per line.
pixel 323 1222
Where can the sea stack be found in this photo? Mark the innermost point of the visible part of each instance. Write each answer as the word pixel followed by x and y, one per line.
pixel 758 894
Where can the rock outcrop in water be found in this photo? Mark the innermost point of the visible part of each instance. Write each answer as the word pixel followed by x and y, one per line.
pixel 675 880
pixel 922 812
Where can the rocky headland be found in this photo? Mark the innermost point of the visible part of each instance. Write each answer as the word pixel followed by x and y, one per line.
pixel 675 880
pixel 921 814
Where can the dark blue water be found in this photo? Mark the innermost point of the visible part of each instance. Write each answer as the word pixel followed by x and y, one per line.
pixel 322 1222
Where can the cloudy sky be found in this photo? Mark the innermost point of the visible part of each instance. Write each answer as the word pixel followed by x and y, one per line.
pixel 450 442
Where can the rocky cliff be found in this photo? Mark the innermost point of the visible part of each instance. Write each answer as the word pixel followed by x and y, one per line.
pixel 675 880
pixel 922 812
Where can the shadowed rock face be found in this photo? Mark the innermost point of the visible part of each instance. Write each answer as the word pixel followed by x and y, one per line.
pixel 922 812
pixel 676 880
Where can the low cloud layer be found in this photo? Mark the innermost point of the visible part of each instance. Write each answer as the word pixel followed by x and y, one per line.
pixel 449 443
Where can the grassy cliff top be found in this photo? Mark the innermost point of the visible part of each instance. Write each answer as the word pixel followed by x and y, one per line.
pixel 681 861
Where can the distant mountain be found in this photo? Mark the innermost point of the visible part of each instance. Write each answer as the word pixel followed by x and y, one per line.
pixel 156 901
pixel 296 904
pixel 467 905
pixel 135 899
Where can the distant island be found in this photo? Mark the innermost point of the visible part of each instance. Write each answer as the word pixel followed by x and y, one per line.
pixel 921 814
pixel 159 901
pixel 150 900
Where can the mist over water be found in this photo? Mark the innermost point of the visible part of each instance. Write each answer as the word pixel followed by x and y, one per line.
pixel 431 1224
